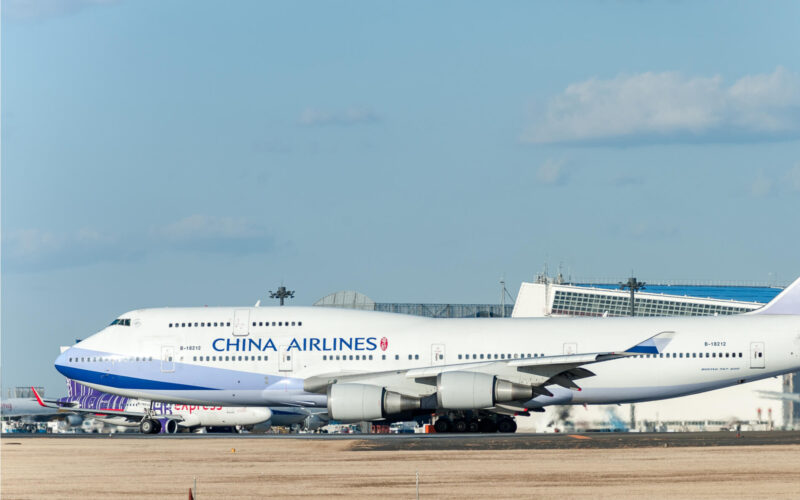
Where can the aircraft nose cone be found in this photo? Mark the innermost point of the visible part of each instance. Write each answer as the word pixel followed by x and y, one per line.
pixel 62 361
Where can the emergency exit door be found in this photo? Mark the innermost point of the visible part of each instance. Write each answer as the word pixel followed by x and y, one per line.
pixel 757 355
pixel 285 364
pixel 437 354
pixel 167 358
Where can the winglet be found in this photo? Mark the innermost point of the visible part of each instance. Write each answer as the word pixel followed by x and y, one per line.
pixel 787 302
pixel 38 399
pixel 654 345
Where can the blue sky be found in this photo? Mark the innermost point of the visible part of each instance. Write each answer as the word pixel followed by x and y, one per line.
pixel 191 153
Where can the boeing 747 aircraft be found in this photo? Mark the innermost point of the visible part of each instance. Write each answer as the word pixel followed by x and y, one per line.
pixel 473 373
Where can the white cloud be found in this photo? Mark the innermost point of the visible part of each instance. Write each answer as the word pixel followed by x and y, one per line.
pixel 662 107
pixel 352 116
pixel 552 172
pixel 215 234
pixel 31 10
pixel 37 250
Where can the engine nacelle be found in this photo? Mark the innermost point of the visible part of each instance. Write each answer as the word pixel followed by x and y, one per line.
pixel 168 425
pixel 471 391
pixel 359 402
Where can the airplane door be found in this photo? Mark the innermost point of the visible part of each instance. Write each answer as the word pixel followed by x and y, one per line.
pixel 167 358
pixel 437 354
pixel 241 322
pixel 286 362
pixel 570 348
pixel 757 355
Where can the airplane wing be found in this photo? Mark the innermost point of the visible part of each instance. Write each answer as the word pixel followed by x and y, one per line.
pixel 536 373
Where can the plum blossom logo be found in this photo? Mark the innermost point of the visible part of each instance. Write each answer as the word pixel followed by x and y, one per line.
pixel 384 344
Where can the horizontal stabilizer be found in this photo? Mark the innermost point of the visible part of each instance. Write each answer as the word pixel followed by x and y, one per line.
pixel 654 345
pixel 787 302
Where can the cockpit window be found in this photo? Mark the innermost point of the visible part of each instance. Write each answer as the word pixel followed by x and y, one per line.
pixel 121 322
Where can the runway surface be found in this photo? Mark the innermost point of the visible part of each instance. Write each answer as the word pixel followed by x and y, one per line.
pixel 609 466
pixel 519 441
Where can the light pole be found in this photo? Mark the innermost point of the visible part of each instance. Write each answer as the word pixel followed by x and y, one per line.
pixel 634 286
pixel 281 294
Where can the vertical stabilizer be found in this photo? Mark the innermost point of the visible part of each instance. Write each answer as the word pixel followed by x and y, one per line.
pixel 787 302
pixel 78 390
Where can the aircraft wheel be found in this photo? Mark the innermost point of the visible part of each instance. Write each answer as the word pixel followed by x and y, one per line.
pixel 488 426
pixel 441 426
pixel 506 425
pixel 147 426
pixel 473 425
pixel 460 425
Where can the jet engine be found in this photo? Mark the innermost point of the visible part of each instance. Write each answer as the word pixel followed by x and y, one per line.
pixel 358 402
pixel 470 391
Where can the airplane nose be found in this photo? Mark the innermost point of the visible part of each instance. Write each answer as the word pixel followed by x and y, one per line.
pixel 62 360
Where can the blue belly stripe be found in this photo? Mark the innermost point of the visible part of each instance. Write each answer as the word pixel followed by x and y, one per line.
pixel 123 382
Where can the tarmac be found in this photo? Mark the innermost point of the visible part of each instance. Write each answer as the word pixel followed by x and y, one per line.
pixel 595 465
pixel 495 441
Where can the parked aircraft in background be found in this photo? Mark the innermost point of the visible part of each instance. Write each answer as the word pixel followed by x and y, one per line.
pixel 27 412
pixel 475 374
pixel 168 418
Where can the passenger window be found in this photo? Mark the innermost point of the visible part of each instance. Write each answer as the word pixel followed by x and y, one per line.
pixel 409 356
pixel 260 323
pixel 370 357
pixel 357 358
pixel 215 324
pixel 259 358
pixel 208 358
pixel 337 357
pixel 416 356
pixel 254 323
pixel 481 356
pixel 194 358
pixel 273 323
pixel 383 357
pixel 228 323
pixel 459 356
pixel 240 358
pixel 324 357
pixel 280 323
pixel 170 325
pixel 227 358
pixel 397 357
pixel 292 323
pixel 299 323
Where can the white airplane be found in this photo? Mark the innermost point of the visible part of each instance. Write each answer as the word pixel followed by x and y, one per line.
pixel 165 417
pixel 474 374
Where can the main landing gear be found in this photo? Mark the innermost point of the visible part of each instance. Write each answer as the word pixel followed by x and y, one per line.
pixel 150 426
pixel 488 424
